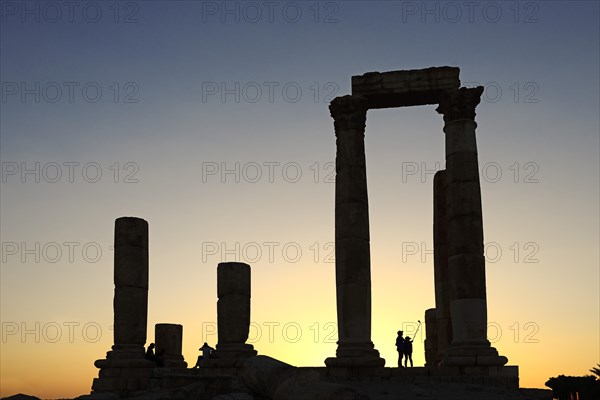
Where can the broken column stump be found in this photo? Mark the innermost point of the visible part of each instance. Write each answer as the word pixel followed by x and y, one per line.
pixel 168 339
pixel 233 315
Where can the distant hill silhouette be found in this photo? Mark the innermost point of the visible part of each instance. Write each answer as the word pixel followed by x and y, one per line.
pixel 20 396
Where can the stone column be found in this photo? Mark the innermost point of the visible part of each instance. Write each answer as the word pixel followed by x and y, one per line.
pixel 233 311
pixel 352 248
pixel 466 264
pixel 440 262
pixel 431 341
pixel 131 285
pixel 168 339
pixel 125 367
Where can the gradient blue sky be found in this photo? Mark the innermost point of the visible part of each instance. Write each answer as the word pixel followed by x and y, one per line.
pixel 543 56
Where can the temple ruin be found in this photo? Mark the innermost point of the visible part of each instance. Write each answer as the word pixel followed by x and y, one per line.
pixel 459 320
pixel 456 348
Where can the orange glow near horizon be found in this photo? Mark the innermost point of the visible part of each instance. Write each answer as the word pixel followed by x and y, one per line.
pixel 287 326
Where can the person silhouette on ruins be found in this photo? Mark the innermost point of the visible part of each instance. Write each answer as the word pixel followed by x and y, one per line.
pixel 408 348
pixel 150 353
pixel 156 358
pixel 151 356
pixel 206 353
pixel 400 347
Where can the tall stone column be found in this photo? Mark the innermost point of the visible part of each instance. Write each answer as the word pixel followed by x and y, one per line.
pixel 125 367
pixel 466 263
pixel 233 312
pixel 440 266
pixel 131 285
pixel 352 248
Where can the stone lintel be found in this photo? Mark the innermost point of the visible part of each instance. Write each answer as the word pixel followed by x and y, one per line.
pixel 413 87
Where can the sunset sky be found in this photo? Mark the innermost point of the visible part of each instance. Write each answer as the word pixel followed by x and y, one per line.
pixel 210 120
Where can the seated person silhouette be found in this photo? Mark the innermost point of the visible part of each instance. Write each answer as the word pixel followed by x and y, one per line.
pixel 158 359
pixel 206 354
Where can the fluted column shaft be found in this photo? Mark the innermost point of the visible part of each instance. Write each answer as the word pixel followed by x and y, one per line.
pixel 352 248
pixel 440 263
pixel 466 263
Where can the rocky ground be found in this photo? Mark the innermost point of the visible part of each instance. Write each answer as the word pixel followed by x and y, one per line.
pixel 385 391
pixel 447 391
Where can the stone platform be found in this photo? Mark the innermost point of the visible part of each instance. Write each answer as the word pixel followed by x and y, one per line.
pixel 264 378
pixel 504 377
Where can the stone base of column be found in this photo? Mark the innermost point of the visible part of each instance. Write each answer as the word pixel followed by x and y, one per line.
pixel 473 356
pixel 234 350
pixel 470 346
pixel 174 362
pixel 355 355
pixel 229 355
pixel 124 369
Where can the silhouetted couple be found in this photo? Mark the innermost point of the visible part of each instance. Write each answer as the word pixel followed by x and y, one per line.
pixel 405 349
pixel 206 353
pixel 157 358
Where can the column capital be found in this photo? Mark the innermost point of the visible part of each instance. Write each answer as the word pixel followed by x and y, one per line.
pixel 349 112
pixel 459 104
